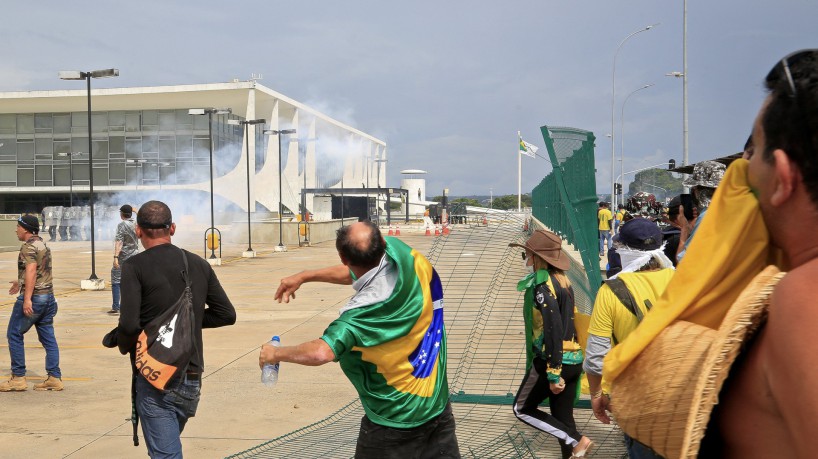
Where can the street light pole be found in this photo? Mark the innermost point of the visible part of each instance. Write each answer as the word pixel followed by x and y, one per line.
pixel 684 84
pixel 96 283
pixel 210 112
pixel 71 179
pixel 249 253
pixel 613 104
pixel 368 214
pixel 281 247
pixel 378 196
pixel 622 140
pixel 304 163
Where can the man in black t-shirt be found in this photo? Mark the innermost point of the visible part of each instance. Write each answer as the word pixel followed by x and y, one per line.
pixel 151 281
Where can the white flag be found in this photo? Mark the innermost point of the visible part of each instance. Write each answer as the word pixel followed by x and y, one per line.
pixel 528 149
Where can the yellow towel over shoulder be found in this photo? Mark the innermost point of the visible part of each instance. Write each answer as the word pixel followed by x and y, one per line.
pixel 730 247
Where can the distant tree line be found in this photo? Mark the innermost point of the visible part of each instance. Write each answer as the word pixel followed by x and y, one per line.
pixel 507 202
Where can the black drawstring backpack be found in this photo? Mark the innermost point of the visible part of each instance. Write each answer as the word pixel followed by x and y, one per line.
pixel 167 343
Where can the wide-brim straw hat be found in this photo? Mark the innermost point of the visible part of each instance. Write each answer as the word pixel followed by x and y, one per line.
pixel 664 398
pixel 547 246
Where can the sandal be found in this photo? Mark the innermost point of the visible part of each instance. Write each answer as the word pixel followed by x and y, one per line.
pixel 585 452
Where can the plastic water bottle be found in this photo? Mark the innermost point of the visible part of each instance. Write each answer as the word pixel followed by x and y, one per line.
pixel 269 374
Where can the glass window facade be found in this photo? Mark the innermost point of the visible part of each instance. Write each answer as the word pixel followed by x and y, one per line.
pixel 147 147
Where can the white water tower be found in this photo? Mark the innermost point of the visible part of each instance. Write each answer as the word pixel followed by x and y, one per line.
pixel 416 186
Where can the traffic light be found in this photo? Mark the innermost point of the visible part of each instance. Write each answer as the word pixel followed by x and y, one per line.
pixel 671 164
pixel 618 188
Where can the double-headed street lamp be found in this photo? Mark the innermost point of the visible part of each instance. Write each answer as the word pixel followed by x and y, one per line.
pixel 279 132
pixel 70 174
pixel 670 164
pixel 79 75
pixel 622 140
pixel 210 112
pixel 249 253
pixel 613 103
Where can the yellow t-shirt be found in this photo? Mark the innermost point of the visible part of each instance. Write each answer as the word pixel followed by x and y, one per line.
pixel 604 216
pixel 620 215
pixel 611 319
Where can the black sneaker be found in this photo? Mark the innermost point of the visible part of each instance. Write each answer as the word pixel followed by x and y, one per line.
pixel 114 312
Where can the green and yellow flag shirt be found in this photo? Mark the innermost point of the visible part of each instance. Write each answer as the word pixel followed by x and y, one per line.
pixel 391 342
pixel 548 313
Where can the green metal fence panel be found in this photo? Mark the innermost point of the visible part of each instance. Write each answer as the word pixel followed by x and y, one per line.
pixel 566 201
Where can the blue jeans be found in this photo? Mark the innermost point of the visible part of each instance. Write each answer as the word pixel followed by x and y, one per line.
pixel 637 450
pixel 45 308
pixel 164 414
pixel 603 236
pixel 115 289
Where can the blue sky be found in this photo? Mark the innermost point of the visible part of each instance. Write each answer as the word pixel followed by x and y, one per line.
pixel 446 84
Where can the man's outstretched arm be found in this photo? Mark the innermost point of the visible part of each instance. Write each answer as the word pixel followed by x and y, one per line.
pixel 334 275
pixel 312 353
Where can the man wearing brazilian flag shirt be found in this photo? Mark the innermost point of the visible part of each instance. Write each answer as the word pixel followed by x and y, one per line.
pixel 390 342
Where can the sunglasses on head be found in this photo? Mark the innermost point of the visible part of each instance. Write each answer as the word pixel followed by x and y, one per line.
pixel 784 68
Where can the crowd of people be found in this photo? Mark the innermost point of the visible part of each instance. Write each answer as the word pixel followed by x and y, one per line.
pixel 398 366
pixel 764 215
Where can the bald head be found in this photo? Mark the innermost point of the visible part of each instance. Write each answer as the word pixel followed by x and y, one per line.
pixel 360 245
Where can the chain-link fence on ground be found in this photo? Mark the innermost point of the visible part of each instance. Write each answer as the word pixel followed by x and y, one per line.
pixel 486 355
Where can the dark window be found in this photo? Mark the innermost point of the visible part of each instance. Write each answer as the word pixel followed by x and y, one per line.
pixel 116 144
pixel 43 123
pixel 150 143
pixel 25 177
pixel 99 122
pixel 132 122
pixel 62 124
pixel 43 146
pixel 167 121
pixel 43 174
pixel 25 150
pixel 117 171
pixel 25 124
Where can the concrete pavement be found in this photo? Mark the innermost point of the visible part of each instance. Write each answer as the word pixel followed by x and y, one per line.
pixel 88 418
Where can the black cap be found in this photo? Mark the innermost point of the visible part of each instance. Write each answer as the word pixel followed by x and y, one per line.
pixel 126 209
pixel 640 234
pixel 29 223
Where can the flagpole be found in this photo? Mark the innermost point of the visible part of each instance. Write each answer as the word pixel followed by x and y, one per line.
pixel 519 172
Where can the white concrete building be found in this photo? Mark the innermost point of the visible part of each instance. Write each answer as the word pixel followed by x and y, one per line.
pixel 144 140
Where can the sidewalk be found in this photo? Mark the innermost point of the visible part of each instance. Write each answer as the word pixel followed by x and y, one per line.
pixel 88 418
